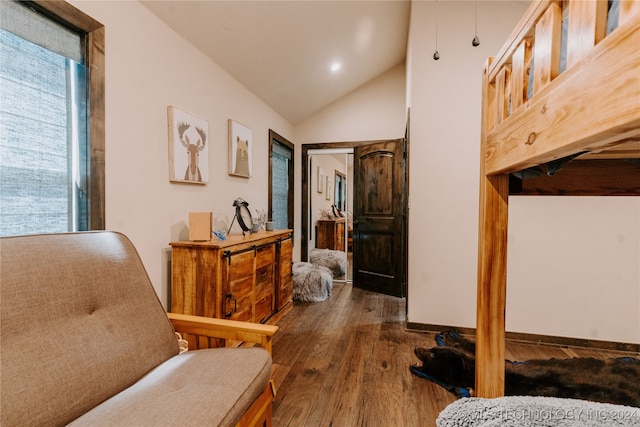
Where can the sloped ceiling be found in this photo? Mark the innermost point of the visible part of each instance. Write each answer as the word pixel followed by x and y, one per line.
pixel 282 51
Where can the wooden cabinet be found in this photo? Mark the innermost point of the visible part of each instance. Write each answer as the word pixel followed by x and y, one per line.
pixel 330 234
pixel 242 278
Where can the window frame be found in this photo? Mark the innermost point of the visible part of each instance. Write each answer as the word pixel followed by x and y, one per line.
pixel 290 196
pixel 92 33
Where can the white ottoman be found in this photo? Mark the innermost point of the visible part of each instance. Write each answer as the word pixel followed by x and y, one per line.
pixel 336 261
pixel 311 282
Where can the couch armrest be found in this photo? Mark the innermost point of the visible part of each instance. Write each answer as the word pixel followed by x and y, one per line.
pixel 225 329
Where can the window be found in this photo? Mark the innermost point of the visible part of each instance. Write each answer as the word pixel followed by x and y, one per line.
pixel 51 179
pixel 280 181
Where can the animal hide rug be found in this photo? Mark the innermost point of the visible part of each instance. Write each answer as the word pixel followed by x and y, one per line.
pixel 614 380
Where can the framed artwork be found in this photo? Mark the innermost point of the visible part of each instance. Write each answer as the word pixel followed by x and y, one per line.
pixel 329 192
pixel 321 182
pixel 240 149
pixel 188 147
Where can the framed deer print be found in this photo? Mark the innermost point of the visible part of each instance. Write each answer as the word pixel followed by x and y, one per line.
pixel 188 147
pixel 240 148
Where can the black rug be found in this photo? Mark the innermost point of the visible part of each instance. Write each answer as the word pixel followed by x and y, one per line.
pixel 451 365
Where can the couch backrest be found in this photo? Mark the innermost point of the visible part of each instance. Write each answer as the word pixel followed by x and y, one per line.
pixel 80 322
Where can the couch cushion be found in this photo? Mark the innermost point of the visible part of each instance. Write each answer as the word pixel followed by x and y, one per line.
pixel 198 388
pixel 80 322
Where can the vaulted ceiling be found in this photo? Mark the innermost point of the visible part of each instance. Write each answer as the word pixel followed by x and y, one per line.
pixel 283 51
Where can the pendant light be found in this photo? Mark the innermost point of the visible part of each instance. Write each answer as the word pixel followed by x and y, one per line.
pixel 436 55
pixel 476 41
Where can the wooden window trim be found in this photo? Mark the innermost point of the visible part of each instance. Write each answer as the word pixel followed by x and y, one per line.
pixel 94 32
pixel 275 136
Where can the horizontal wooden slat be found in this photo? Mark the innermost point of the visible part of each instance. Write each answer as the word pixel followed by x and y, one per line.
pixel 599 97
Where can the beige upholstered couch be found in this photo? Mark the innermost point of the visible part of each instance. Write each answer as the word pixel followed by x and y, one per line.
pixel 86 342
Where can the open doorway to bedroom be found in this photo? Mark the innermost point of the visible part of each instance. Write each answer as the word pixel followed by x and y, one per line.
pixel 373 230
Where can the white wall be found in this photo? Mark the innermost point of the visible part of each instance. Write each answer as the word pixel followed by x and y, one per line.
pixel 149 67
pixel 445 99
pixel 574 267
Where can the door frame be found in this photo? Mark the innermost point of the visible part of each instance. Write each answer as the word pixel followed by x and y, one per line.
pixel 304 236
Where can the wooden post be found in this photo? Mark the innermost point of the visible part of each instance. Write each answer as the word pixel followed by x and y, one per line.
pixel 492 266
pixel 492 275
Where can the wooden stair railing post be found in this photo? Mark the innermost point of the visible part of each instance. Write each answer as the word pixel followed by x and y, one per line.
pixel 492 256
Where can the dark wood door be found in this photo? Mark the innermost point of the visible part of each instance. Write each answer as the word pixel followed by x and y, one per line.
pixel 379 217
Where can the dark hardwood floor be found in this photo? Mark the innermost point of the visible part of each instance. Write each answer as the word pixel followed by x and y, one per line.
pixel 345 362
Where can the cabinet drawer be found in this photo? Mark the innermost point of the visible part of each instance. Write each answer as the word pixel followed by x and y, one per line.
pixel 264 280
pixel 265 255
pixel 264 308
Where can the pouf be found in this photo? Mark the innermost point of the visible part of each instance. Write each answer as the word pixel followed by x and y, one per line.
pixel 311 282
pixel 336 261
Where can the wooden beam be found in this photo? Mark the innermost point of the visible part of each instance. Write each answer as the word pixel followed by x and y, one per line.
pixel 588 178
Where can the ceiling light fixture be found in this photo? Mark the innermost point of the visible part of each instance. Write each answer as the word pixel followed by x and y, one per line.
pixel 436 55
pixel 476 41
pixel 335 67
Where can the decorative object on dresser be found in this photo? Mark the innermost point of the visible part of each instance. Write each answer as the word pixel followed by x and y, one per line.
pixel 243 215
pixel 245 278
pixel 200 226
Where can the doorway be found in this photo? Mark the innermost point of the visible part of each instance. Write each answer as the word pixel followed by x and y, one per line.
pixel 376 200
pixel 330 200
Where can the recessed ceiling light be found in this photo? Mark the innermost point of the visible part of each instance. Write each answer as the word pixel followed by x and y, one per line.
pixel 335 67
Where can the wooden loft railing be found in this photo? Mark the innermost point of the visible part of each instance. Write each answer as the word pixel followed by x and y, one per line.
pixel 597 91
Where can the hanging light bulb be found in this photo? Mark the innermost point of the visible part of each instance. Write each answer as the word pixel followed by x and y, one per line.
pixel 436 54
pixel 476 41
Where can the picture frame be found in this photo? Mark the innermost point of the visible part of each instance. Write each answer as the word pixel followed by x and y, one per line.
pixel 321 179
pixel 329 192
pixel 240 149
pixel 188 147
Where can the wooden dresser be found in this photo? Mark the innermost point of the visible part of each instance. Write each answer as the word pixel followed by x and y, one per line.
pixel 330 234
pixel 242 278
